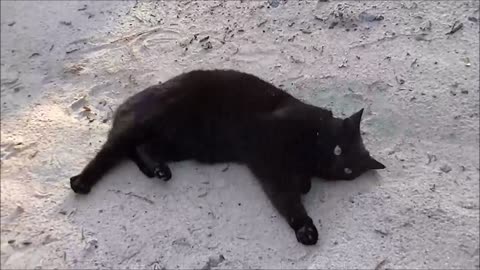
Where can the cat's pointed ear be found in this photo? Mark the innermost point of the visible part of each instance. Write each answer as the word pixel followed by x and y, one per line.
pixel 357 118
pixel 373 164
pixel 352 123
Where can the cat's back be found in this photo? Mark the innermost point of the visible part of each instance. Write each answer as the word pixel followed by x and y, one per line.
pixel 225 81
pixel 222 92
pixel 232 90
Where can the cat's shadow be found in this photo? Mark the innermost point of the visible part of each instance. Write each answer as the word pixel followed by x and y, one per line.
pixel 125 199
pixel 332 204
pixel 327 189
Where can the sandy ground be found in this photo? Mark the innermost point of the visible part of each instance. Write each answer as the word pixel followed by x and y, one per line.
pixel 66 65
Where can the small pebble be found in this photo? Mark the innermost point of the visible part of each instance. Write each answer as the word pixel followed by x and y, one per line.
pixel 332 25
pixel 274 3
pixel 445 168
pixel 365 16
pixel 11 241
pixel 472 19
pixel 207 45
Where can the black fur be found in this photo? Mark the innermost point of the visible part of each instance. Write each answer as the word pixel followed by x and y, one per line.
pixel 230 116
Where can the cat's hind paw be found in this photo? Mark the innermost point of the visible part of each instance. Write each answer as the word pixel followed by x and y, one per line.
pixel 163 172
pixel 306 186
pixel 307 234
pixel 78 186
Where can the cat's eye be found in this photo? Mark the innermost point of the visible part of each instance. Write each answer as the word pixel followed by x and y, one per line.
pixel 347 170
pixel 337 151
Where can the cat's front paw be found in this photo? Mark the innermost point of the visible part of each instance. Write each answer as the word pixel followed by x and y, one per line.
pixel 78 186
pixel 307 234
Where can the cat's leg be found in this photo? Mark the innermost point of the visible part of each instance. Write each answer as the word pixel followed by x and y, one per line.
pixel 151 165
pixel 111 153
pixel 288 202
pixel 305 185
pixel 141 163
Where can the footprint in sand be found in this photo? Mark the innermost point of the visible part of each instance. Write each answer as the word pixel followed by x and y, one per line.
pixel 83 108
pixel 10 81
pixel 11 149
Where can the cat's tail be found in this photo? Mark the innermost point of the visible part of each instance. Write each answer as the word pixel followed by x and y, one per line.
pixel 111 153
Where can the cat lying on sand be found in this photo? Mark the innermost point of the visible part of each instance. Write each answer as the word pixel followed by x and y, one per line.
pixel 229 116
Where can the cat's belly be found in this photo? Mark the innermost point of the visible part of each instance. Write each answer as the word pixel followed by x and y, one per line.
pixel 207 156
pixel 206 152
pixel 214 146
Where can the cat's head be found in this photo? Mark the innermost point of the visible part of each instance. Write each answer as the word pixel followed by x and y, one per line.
pixel 349 158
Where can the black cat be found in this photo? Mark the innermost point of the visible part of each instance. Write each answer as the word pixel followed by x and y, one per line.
pixel 230 116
